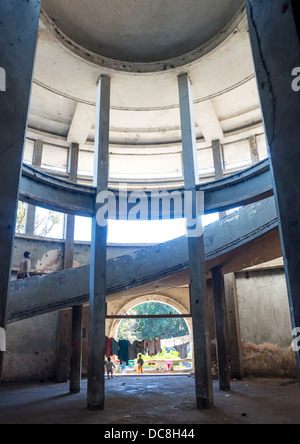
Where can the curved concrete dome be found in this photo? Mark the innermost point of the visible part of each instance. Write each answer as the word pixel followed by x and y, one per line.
pixel 143 31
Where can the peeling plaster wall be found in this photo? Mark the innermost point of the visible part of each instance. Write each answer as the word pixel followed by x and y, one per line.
pixel 265 323
pixel 47 255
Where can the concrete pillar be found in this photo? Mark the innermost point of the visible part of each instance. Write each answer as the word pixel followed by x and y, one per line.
pixel 202 357
pixel 31 209
pixel 77 312
pixel 219 166
pixel 275 39
pixel 218 159
pixel 97 299
pixel 221 328
pixel 76 353
pixel 63 346
pixel 70 219
pixel 69 340
pixel 233 327
pixel 18 31
pixel 253 149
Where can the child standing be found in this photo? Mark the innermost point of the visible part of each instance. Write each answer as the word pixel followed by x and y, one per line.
pixel 140 364
pixel 109 368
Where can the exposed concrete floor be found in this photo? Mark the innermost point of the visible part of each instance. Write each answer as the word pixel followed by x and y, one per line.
pixel 152 400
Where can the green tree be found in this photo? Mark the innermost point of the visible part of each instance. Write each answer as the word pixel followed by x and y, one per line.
pixel 21 216
pixel 45 224
pixel 140 329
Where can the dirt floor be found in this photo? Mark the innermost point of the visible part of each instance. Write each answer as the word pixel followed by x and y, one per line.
pixel 152 400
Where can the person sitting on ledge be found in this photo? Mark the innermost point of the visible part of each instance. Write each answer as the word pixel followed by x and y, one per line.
pixel 25 266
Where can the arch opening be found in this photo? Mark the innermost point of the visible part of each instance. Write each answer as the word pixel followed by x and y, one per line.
pixel 166 341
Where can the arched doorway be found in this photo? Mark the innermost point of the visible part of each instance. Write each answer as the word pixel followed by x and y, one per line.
pixel 156 321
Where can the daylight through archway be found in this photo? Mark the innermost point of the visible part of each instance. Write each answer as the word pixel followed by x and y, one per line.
pixel 163 343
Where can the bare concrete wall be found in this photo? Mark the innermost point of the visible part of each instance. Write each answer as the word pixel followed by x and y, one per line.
pixel 265 323
pixel 31 349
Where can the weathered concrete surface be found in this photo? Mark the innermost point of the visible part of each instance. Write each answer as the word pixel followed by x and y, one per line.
pixel 274 30
pixel 31 349
pixel 139 401
pixel 266 360
pixel 18 31
pixel 243 239
pixel 265 323
pixel 264 308
pixel 47 254
pixel 42 189
pixel 196 257
pixel 98 262
pixel 151 35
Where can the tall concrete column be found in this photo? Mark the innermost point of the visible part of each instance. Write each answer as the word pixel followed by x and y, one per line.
pixel 97 299
pixel 233 327
pixel 198 292
pixel 275 38
pixel 70 219
pixel 31 209
pixel 253 149
pixel 218 159
pixel 76 352
pixel 18 36
pixel 221 328
pixel 219 165
pixel 77 312
pixel 66 332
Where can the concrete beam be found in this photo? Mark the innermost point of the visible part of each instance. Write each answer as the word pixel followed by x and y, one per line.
pixel 242 188
pixel 83 120
pixel 208 121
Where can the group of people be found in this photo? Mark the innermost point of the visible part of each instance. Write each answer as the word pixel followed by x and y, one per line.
pixel 109 366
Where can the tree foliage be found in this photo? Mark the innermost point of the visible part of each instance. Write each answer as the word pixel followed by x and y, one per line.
pixel 142 329
pixel 43 225
pixel 21 216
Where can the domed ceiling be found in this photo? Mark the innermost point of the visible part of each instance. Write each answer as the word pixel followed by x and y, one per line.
pixel 143 46
pixel 144 31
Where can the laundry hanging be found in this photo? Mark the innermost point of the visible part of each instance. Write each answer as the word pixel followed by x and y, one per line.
pixel 182 350
pixel 115 347
pixel 108 347
pixel 132 351
pixel 123 351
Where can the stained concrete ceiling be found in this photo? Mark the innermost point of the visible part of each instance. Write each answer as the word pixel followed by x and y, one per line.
pixel 144 95
pixel 141 30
